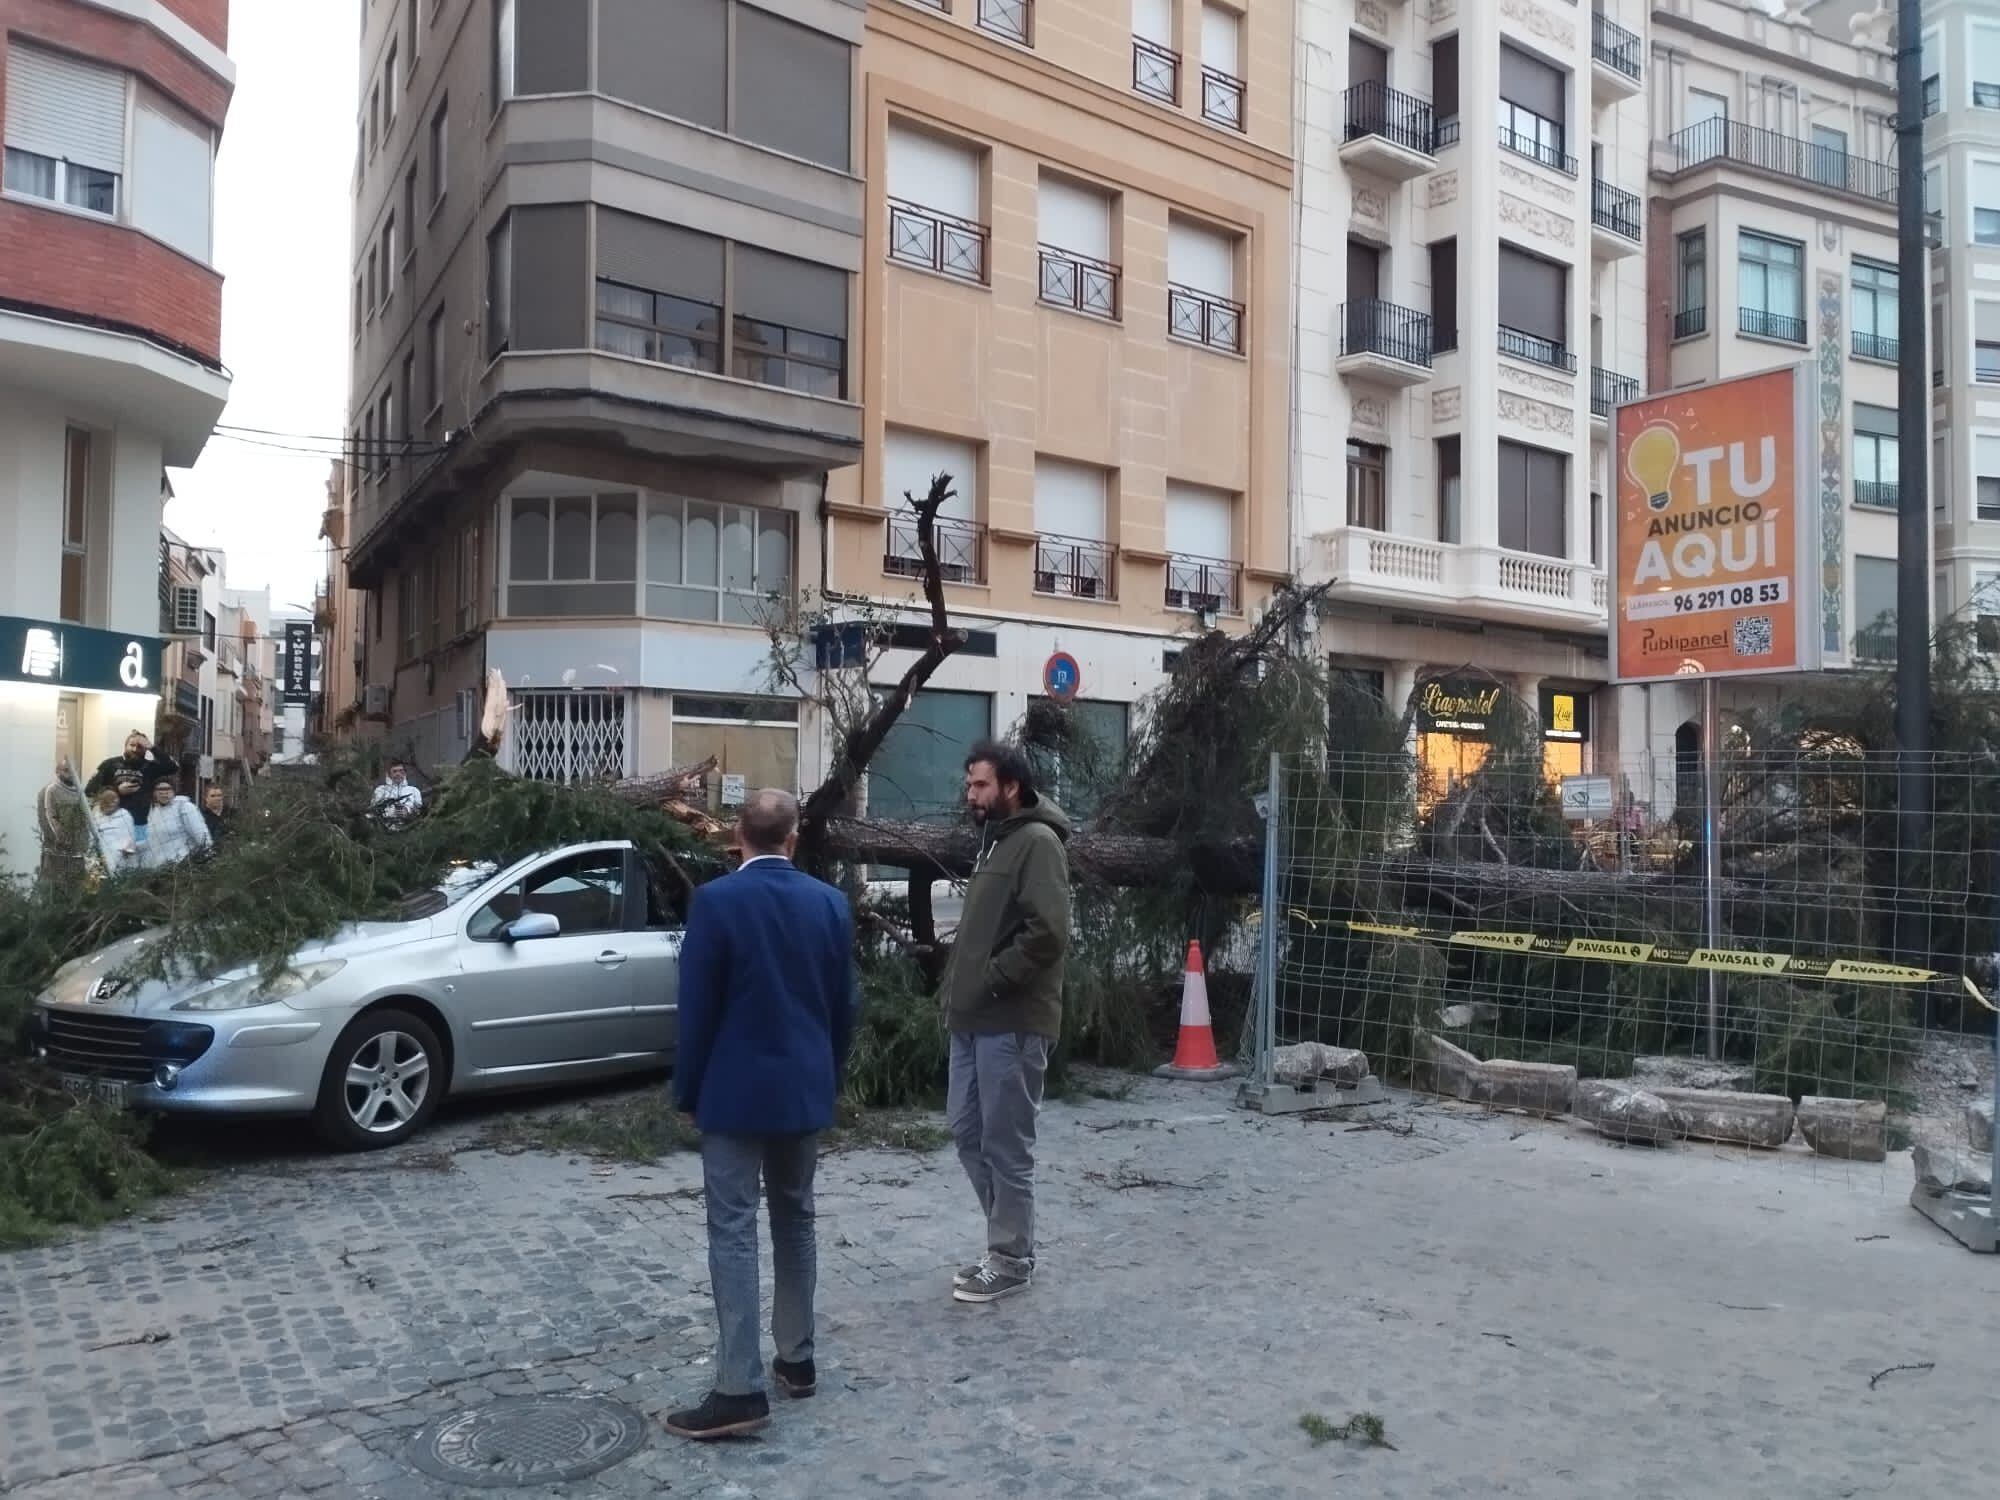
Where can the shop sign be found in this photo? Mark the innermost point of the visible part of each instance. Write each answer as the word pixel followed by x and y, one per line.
pixel 1565 715
pixel 298 661
pixel 1457 705
pixel 77 657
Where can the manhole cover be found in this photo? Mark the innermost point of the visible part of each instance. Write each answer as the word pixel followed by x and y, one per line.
pixel 517 1441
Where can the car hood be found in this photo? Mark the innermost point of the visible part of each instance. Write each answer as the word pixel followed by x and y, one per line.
pixel 99 981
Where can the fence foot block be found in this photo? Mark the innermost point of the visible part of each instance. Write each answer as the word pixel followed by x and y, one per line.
pixel 1969 1219
pixel 1198 1075
pixel 1295 1099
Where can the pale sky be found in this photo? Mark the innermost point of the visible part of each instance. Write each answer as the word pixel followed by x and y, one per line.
pixel 282 180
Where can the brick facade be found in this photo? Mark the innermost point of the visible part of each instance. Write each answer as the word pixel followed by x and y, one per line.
pixel 106 271
pixel 209 17
pixel 120 42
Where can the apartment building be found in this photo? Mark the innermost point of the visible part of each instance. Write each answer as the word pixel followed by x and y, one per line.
pixel 603 267
pixel 1961 70
pixel 110 361
pixel 1472 292
pixel 190 605
pixel 1074 300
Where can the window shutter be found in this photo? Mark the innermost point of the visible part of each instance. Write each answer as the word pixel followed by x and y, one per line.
pixel 1219 33
pixel 1153 21
pixel 910 460
pixel 170 181
pixel 1074 218
pixel 933 173
pixel 1200 259
pixel 1069 500
pixel 659 257
pixel 1198 521
pixel 58 106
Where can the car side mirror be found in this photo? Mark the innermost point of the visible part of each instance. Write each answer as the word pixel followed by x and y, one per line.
pixel 531 925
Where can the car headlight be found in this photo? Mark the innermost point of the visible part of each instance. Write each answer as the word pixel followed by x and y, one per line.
pixel 240 994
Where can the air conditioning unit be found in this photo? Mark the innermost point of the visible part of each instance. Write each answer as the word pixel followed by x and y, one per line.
pixel 182 610
pixel 375 700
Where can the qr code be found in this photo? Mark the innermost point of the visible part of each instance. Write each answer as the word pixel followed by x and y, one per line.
pixel 1753 636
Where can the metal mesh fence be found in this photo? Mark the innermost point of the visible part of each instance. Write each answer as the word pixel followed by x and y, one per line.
pixel 1481 935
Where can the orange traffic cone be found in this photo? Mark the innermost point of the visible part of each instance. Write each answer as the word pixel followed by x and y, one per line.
pixel 1194 1054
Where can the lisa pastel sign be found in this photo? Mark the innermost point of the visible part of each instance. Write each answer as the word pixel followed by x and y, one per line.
pixel 1713 558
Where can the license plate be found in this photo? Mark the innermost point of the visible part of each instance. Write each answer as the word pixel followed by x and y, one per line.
pixel 109 1091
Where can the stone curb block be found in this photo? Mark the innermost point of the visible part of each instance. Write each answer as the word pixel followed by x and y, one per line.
pixel 1851 1129
pixel 1533 1088
pixel 1944 1168
pixel 1308 1062
pixel 1624 1113
pixel 1732 1119
pixel 1979 1126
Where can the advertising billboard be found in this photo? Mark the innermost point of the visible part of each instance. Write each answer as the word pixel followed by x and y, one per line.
pixel 1714 548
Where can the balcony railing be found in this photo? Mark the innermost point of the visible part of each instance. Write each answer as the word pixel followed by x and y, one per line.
pixel 1156 71
pixel 1536 349
pixel 1221 99
pixel 1203 318
pixel 936 241
pixel 1768 325
pixel 1369 325
pixel 1074 567
pixel 1204 584
pixel 1879 494
pixel 1876 346
pixel 1614 46
pixel 1537 148
pixel 1690 322
pixel 1784 156
pixel 1402 119
pixel 961 549
pixel 1012 19
pixel 1079 282
pixel 1609 389
pixel 1614 209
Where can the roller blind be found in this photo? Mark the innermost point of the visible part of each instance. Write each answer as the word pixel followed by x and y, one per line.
pixel 59 106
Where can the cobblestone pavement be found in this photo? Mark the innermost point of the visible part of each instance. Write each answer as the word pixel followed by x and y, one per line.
pixel 1531 1311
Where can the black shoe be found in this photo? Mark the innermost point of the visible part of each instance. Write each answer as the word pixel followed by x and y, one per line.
pixel 721 1416
pixel 991 1284
pixel 969 1274
pixel 797 1381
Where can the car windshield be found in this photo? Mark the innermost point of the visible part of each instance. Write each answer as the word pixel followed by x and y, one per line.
pixel 458 882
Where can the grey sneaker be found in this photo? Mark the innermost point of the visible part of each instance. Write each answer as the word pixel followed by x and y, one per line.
pixel 965 1277
pixel 990 1284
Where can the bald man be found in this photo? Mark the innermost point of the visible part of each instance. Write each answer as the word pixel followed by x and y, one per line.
pixel 767 1003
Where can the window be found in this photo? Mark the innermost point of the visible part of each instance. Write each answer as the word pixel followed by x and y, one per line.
pixel 1444 296
pixel 1875 288
pixel 1201 541
pixel 1941 477
pixel 410 215
pixel 584 893
pixel 1826 156
pixel 385 427
pixel 1940 345
pixel 374 281
pixel 1534 294
pixel 499 287
pixel 408 587
pixel 65 126
pixel 1071 502
pixel 1078 773
pixel 1986 203
pixel 1986 476
pixel 360 307
pixel 389 261
pixel 1875 457
pixel 790 323
pixel 755 738
pixel 705 561
pixel 1221 68
pixel 1073 222
pixel 1986 344
pixel 909 461
pixel 440 141
pixel 76 525
pixel 434 363
pixel 918 774
pixel 173 177
pixel 374 119
pixel 409 393
pixel 1201 286
pixel 1596 530
pixel 466 582
pixel 1704 107
pixel 789 87
pixel 1444 83
pixel 1874 608
pixel 1691 283
pixel 1156 58
pixel 934 199
pixel 671 58
pixel 391 89
pixel 371 460
pixel 1368 486
pixel 1533 108
pixel 1534 500
pixel 572 555
pixel 1934 200
pixel 1985 60
pixel 503 52
pixel 538 48
pixel 659 292
pixel 1448 491
pixel 1933 79
pixel 1012 19
pixel 1770 287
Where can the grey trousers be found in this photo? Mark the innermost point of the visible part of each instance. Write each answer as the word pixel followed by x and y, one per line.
pixel 995 1094
pixel 730 1167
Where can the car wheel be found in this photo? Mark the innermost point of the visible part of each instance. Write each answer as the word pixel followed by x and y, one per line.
pixel 382 1083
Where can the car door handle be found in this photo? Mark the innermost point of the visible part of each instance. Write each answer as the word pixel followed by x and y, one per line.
pixel 610 958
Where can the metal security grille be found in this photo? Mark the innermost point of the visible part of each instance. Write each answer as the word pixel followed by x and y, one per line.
pixel 569 736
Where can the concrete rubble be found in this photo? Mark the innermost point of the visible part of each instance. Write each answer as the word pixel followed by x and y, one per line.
pixel 1307 1063
pixel 1534 1088
pixel 1733 1119
pixel 1979 1126
pixel 1851 1129
pixel 1945 1168
pixel 1471 1013
pixel 1624 1113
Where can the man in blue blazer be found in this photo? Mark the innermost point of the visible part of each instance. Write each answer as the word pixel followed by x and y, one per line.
pixel 767 1003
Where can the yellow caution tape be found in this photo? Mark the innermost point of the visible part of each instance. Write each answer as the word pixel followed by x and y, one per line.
pixel 1974 991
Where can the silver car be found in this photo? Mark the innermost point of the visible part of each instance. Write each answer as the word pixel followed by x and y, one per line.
pixel 562 966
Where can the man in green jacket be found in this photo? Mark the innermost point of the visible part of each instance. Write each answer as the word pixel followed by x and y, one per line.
pixel 1003 1006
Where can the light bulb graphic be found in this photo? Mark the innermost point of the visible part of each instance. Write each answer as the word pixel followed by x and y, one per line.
pixel 1651 460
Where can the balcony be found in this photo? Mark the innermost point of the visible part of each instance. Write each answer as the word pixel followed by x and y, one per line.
pixel 961 549
pixel 937 242
pixel 1384 343
pixel 1690 323
pixel 1608 391
pixel 1543 146
pixel 1203 318
pixel 1614 221
pixel 1536 350
pixel 1712 142
pixel 1204 585
pixel 1485 582
pixel 1388 133
pixel 1221 99
pixel 1010 20
pixel 1615 60
pixel 1080 283
pixel 1877 494
pixel 1876 346
pixel 1767 325
pixel 1156 71
pixel 1069 567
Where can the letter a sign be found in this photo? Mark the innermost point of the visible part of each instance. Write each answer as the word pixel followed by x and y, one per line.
pixel 1714 545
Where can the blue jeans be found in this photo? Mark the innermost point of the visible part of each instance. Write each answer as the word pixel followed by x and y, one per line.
pixel 730 1167
pixel 994 1095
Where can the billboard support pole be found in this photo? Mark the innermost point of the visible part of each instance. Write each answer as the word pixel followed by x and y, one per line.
pixel 1711 848
pixel 1913 519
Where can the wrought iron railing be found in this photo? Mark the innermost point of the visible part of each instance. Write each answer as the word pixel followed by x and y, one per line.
pixel 1878 494
pixel 961 547
pixel 1369 325
pixel 1609 389
pixel 1876 346
pixel 1537 148
pixel 1614 209
pixel 936 241
pixel 1402 119
pixel 1156 71
pixel 1204 318
pixel 1012 19
pixel 1784 156
pixel 1081 283
pixel 1536 349
pixel 1770 325
pixel 1204 584
pixel 1690 322
pixel 1074 567
pixel 1614 46
pixel 1221 98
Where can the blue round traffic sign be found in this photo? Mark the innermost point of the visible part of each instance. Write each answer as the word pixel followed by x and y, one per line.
pixel 1062 678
